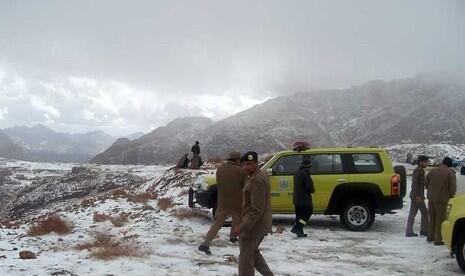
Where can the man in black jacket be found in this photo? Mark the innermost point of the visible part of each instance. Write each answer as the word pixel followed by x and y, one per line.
pixel 302 198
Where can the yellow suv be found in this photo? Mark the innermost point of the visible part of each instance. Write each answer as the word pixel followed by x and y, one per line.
pixel 354 183
pixel 453 229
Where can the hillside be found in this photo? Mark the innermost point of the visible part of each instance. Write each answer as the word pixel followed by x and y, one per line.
pixel 377 113
pixel 41 143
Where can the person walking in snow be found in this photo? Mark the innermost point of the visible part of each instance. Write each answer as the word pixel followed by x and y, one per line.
pixel 230 179
pixel 302 198
pixel 417 199
pixel 441 185
pixel 195 161
pixel 256 218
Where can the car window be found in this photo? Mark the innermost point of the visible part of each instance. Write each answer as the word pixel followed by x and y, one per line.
pixel 326 164
pixel 321 164
pixel 366 163
pixel 287 165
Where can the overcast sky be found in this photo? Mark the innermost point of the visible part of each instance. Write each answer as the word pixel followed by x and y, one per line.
pixel 125 66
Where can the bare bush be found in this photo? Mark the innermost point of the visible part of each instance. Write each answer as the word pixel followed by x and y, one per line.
pixel 118 220
pixel 50 224
pixel 143 197
pixel 165 203
pixel 107 247
pixel 188 213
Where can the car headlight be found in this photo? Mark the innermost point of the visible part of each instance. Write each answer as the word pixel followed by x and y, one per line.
pixel 449 208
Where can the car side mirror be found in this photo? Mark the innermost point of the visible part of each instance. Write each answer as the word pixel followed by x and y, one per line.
pixel 269 171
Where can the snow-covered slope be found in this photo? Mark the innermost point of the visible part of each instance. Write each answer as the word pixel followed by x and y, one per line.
pixel 169 234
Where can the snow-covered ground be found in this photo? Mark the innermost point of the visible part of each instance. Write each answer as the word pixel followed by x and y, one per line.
pixel 329 249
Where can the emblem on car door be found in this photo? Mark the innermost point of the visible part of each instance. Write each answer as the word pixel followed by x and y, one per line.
pixel 283 184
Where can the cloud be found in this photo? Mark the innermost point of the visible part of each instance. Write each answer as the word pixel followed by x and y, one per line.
pixel 3 112
pixel 129 67
pixel 40 104
pixel 82 104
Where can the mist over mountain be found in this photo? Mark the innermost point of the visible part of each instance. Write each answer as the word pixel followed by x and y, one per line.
pixel 8 148
pixel 40 143
pixel 374 114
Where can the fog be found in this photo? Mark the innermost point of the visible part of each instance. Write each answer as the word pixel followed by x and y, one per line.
pixel 124 66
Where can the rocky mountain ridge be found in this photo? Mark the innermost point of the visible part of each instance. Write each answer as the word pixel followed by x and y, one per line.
pixel 377 113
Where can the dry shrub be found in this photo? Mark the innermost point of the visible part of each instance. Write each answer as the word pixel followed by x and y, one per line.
pixel 106 247
pixel 117 221
pixel 188 213
pixel 98 217
pixel 165 203
pixel 50 224
pixel 143 197
pixel 120 193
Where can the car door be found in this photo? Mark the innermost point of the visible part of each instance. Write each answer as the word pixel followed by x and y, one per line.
pixel 327 172
pixel 282 180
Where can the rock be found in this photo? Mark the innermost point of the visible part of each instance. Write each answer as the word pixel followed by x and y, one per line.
pixel 2 257
pixel 15 249
pixel 26 255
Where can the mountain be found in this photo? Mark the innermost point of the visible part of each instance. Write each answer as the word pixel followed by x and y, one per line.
pixel 8 148
pixel 377 113
pixel 162 145
pixel 43 144
pixel 135 135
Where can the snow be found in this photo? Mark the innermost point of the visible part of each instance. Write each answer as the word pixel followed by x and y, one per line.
pixel 172 243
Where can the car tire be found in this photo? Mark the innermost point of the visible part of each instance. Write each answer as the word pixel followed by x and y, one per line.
pixel 460 251
pixel 462 170
pixel 357 215
pixel 400 170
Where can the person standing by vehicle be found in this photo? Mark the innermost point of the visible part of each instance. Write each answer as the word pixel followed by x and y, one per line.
pixel 417 199
pixel 302 198
pixel 256 218
pixel 441 185
pixel 230 182
pixel 195 161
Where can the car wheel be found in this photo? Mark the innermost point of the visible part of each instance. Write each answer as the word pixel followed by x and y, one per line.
pixel 462 170
pixel 357 215
pixel 460 251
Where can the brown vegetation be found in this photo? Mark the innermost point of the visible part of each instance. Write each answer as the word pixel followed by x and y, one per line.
pixel 106 247
pixel 143 197
pixel 117 221
pixel 50 224
pixel 188 213
pixel 165 203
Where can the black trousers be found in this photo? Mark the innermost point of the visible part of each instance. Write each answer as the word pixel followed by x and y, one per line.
pixel 303 214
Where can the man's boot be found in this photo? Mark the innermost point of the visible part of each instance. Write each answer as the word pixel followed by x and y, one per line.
pixel 205 249
pixel 298 229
